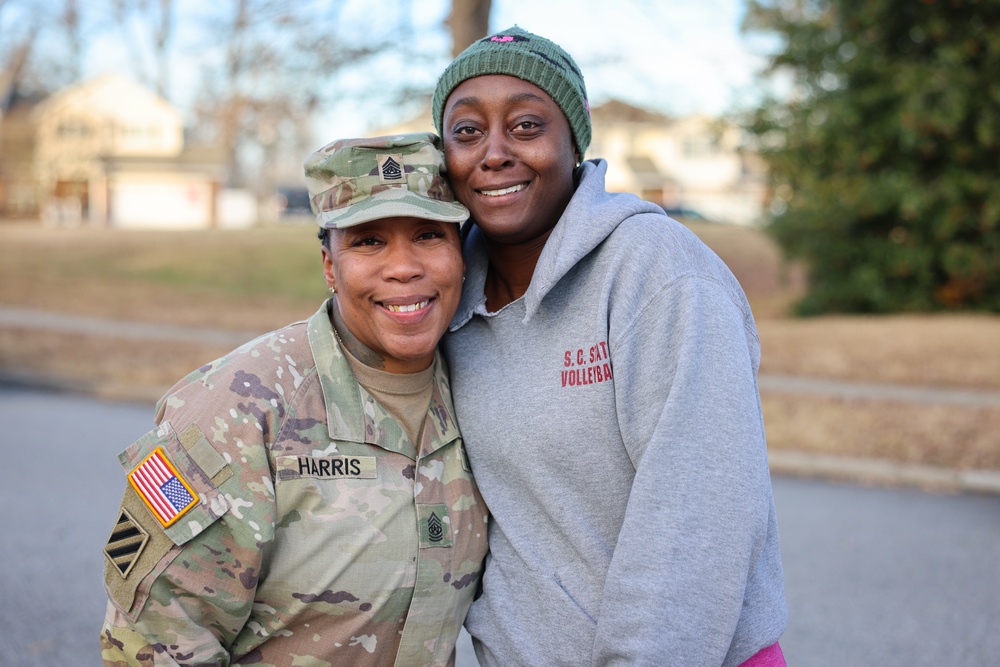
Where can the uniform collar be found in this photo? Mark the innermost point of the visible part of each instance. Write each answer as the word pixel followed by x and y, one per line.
pixel 353 414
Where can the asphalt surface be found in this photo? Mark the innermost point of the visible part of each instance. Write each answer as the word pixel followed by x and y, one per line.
pixel 874 576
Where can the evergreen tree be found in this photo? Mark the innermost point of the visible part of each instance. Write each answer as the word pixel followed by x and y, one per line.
pixel 885 157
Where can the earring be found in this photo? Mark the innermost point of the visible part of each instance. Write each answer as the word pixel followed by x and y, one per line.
pixel 333 290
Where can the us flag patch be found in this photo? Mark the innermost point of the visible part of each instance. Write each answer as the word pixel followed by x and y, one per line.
pixel 161 487
pixel 126 543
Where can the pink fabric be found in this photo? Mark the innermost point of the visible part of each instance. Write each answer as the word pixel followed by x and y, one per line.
pixel 767 657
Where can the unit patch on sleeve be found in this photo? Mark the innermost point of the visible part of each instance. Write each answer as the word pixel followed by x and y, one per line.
pixel 167 495
pixel 126 543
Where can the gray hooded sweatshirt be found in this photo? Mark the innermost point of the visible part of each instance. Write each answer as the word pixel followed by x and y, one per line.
pixel 613 423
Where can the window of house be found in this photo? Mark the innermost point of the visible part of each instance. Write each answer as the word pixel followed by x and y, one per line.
pixel 701 146
pixel 73 129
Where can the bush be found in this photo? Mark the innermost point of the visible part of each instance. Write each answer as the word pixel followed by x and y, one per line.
pixel 885 158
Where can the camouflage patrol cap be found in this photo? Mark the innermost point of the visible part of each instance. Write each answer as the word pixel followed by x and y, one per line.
pixel 352 181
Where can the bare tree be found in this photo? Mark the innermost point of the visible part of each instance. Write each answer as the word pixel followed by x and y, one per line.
pixel 277 65
pixel 145 27
pixel 161 41
pixel 58 40
pixel 264 69
pixel 11 67
pixel 38 54
pixel 70 26
pixel 469 20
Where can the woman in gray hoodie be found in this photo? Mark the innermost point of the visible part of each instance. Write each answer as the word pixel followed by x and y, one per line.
pixel 604 367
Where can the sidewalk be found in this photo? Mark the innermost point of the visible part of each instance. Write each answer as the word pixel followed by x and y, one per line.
pixel 782 462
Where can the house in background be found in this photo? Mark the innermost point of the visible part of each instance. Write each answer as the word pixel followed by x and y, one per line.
pixel 18 196
pixel 695 162
pixel 110 153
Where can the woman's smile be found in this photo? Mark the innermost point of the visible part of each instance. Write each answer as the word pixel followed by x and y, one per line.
pixel 405 308
pixel 503 191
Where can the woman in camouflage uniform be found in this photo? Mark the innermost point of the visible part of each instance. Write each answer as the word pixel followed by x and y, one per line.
pixel 305 499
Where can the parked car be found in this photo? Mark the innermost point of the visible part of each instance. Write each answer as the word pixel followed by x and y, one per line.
pixel 293 201
pixel 679 212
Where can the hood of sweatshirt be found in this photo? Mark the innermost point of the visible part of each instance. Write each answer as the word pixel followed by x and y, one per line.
pixel 590 217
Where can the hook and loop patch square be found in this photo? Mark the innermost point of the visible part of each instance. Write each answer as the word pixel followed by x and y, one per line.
pixel 126 543
pixel 390 168
pixel 163 490
pixel 434 526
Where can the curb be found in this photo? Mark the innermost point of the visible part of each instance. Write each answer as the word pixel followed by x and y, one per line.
pixel 882 472
pixel 783 462
pixel 36 381
pixel 876 391
pixel 81 324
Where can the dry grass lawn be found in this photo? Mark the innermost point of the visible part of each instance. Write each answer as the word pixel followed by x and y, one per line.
pixel 264 278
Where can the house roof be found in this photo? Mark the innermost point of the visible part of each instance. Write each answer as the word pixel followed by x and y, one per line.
pixel 104 95
pixel 618 111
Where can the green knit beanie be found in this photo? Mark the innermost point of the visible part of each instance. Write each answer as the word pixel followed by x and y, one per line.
pixel 519 53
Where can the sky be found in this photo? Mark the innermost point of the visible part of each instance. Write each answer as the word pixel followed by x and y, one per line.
pixel 677 57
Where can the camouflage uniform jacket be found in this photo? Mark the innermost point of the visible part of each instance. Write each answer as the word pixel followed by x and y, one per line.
pixel 292 522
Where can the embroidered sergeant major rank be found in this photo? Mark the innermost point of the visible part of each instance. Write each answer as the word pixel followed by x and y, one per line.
pixel 434 525
pixel 390 168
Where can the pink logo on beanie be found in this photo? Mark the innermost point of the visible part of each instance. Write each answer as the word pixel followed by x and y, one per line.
pixel 506 39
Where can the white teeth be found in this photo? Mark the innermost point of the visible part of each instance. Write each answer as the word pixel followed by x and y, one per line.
pixel 407 309
pixel 503 191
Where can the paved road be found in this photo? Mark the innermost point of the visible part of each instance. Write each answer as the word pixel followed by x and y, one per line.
pixel 879 577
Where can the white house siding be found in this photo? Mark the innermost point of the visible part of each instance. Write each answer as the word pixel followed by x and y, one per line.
pixel 110 153
pixel 145 203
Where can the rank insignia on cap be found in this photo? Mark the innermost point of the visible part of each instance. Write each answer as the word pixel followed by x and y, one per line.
pixel 126 543
pixel 161 487
pixel 390 168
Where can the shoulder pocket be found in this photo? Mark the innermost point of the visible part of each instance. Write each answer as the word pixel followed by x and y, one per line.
pixel 176 476
pixel 171 496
